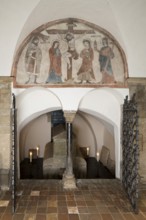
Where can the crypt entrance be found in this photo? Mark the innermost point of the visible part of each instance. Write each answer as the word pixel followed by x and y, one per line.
pixel 93 126
pixel 93 113
pixel 44 155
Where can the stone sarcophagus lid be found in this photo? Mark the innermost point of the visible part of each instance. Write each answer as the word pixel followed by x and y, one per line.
pixel 55 154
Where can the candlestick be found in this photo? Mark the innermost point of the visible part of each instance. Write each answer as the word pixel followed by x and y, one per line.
pixel 30 156
pixel 37 148
pixel 87 151
pixel 97 156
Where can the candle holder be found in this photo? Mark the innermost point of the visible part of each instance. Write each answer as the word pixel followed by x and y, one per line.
pixel 37 149
pixel 97 156
pixel 30 157
pixel 88 151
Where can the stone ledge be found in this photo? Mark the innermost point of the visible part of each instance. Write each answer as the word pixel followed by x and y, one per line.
pixel 136 80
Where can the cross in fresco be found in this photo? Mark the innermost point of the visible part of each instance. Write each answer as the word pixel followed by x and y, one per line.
pixel 69 37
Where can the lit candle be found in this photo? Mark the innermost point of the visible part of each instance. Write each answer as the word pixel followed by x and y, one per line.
pixel 87 151
pixel 30 156
pixel 97 156
pixel 37 148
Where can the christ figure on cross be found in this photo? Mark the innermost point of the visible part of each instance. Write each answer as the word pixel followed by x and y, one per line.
pixel 68 35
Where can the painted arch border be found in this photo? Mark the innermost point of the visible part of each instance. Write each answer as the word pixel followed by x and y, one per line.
pixel 56 22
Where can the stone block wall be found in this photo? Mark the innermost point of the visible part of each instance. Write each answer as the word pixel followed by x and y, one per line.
pixel 138 86
pixel 5 131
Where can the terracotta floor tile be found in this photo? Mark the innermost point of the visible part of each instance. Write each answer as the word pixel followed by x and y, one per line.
pixel 62 209
pixel 83 210
pixel 42 203
pixel 79 198
pixel 113 209
pixel 31 210
pixel 51 210
pixel 52 197
pixel 142 208
pixel 18 217
pixel 73 210
pixel 81 203
pixel 63 217
pixel 61 203
pixel 90 203
pixel 61 197
pixel 7 217
pixel 4 203
pixel 103 209
pixel 94 217
pixel 129 216
pixel 71 203
pixel 83 217
pixel 42 210
pixel 139 216
pixel 70 197
pixel 93 210
pixel 106 217
pixel 52 203
pixel 40 217
pixel 21 209
pixel 73 217
pixel 51 217
pixel 117 216
pixel 94 199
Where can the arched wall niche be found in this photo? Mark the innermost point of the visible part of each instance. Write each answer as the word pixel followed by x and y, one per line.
pixel 105 103
pixel 70 52
pixel 93 132
pixel 102 103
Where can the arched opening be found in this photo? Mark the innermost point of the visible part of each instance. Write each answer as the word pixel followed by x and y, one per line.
pixel 108 109
pixel 31 104
pixel 94 126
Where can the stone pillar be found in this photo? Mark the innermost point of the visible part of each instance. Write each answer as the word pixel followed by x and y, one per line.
pixel 68 177
pixel 138 86
pixel 5 131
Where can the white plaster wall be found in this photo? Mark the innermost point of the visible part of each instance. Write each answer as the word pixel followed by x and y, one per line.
pixel 13 15
pixel 108 141
pixel 103 133
pixel 34 102
pixel 37 132
pixel 126 20
pixel 84 134
pixel 93 132
pixel 131 18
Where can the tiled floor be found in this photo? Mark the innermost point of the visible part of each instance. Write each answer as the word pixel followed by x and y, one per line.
pixel 92 200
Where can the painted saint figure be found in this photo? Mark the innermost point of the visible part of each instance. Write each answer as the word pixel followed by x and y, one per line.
pixel 55 64
pixel 85 72
pixel 33 58
pixel 105 56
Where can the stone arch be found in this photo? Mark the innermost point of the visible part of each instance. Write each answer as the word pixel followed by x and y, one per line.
pixel 108 109
pixel 32 103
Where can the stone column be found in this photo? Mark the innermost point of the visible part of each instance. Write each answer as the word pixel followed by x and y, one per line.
pixel 5 131
pixel 68 177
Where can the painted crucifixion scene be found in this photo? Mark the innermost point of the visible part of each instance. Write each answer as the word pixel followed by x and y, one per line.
pixel 69 52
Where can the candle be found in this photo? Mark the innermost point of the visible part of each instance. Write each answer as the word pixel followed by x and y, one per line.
pixel 87 151
pixel 37 148
pixel 97 156
pixel 30 156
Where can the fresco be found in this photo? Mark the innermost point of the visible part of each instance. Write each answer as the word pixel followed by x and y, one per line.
pixel 69 52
